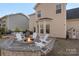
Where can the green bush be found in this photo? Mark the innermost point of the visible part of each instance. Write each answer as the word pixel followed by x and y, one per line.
pixel 2 31
pixel 0 36
pixel 17 30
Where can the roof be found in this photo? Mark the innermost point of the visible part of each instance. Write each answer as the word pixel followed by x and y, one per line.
pixel 36 5
pixel 15 14
pixel 32 14
pixel 72 13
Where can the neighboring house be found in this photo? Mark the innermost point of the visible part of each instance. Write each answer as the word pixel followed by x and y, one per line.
pixel 13 21
pixel 0 23
pixel 73 19
pixel 32 22
pixel 49 18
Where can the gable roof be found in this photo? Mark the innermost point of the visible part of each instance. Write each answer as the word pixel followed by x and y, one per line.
pixel 14 15
pixel 31 14
pixel 36 5
pixel 72 13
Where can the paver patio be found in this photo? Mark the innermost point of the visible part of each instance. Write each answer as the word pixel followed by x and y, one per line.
pixel 63 47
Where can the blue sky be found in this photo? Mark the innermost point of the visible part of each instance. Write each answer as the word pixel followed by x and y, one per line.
pixel 26 8
pixel 72 5
pixel 8 8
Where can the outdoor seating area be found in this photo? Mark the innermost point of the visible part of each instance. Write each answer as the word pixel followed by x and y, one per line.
pixel 21 41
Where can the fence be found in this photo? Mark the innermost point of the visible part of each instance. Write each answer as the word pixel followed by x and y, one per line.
pixel 73 35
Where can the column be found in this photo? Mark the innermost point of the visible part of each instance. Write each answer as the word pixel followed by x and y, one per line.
pixel 44 27
pixel 39 27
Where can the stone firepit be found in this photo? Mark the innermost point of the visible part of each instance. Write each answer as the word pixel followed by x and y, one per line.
pixel 16 48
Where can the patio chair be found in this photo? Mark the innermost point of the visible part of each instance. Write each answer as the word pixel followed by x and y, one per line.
pixel 49 47
pixel 40 44
pixel 43 41
pixel 18 37
pixel 34 35
pixel 45 45
pixel 45 38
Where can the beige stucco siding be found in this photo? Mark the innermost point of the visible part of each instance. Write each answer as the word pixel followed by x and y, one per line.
pixel 58 24
pixel 32 22
pixel 73 23
pixel 47 9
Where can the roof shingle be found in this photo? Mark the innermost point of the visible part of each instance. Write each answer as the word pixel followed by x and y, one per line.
pixel 72 13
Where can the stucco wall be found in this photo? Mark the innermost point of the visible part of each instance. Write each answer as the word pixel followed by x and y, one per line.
pixel 32 22
pixel 58 24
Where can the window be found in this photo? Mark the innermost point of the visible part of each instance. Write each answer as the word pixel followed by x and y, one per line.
pixel 47 28
pixel 34 29
pixel 39 14
pixel 41 28
pixel 58 8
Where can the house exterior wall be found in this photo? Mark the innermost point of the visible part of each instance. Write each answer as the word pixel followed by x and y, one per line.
pixel 44 23
pixel 17 21
pixel 32 22
pixel 73 23
pixel 58 24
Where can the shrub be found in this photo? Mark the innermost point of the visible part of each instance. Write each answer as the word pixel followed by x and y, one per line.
pixel 17 30
pixel 8 32
pixel 2 31
pixel 0 36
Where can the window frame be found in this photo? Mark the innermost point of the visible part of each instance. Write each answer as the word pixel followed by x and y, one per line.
pixel 34 29
pixel 58 8
pixel 47 28
pixel 39 14
pixel 41 28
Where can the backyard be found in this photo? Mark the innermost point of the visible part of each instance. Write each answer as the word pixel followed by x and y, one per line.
pixel 63 47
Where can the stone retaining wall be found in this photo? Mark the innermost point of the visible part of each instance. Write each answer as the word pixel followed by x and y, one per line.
pixel 20 53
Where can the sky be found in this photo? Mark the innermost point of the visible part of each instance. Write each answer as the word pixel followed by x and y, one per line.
pixel 11 8
pixel 25 8
pixel 72 5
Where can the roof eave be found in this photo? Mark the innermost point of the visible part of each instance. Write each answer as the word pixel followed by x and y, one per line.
pixel 36 5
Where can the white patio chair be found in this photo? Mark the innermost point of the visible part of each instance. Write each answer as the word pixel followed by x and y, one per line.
pixel 43 41
pixel 18 37
pixel 44 46
pixel 45 38
pixel 40 44
pixel 49 47
pixel 34 35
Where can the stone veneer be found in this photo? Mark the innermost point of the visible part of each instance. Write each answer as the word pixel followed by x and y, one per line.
pixel 15 48
pixel 20 53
